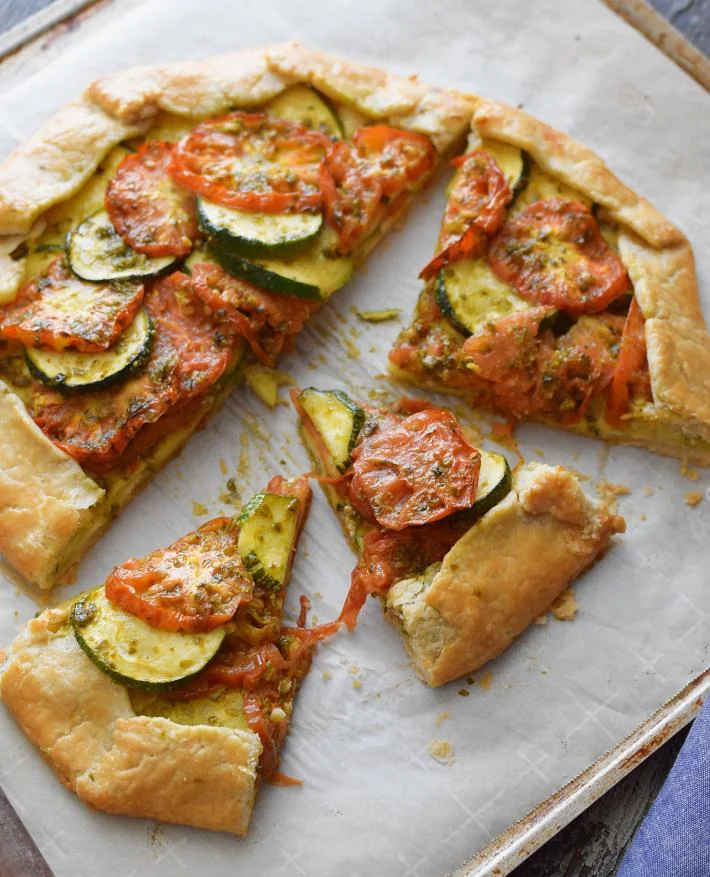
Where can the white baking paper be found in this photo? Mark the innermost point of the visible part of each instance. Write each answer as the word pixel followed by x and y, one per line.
pixel 374 802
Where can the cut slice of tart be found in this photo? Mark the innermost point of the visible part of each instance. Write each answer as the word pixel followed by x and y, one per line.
pixel 558 294
pixel 167 692
pixel 195 217
pixel 463 553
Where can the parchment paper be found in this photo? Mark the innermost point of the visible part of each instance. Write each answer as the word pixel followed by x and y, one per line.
pixel 374 802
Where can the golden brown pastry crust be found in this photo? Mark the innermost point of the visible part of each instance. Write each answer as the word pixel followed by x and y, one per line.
pixel 660 263
pixel 114 760
pixel 57 160
pixel 657 256
pixel 45 496
pixel 502 574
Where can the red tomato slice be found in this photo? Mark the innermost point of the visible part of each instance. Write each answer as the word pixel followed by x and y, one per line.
pixel 631 377
pixel 552 254
pixel 578 367
pixel 252 161
pixel 415 471
pixel 533 373
pixel 474 211
pixel 190 352
pixel 507 355
pixel 151 213
pixel 264 319
pixel 59 310
pixel 360 180
pixel 193 586
pixel 388 557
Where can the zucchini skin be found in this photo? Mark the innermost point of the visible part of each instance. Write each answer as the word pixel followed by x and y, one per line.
pixel 499 490
pixel 312 400
pixel 262 277
pixel 99 225
pixel 82 614
pixel 61 381
pixel 240 245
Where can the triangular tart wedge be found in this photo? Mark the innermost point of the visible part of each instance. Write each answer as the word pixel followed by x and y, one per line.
pixel 463 553
pixel 167 692
pixel 159 233
pixel 558 294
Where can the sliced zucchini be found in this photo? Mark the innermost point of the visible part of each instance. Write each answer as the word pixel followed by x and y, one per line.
pixel 305 105
pixel 71 370
pixel 494 482
pixel 268 528
pixel 224 709
pixel 132 652
pixel 97 252
pixel 514 163
pixel 314 274
pixel 257 234
pixel 470 295
pixel 337 419
pixel 542 187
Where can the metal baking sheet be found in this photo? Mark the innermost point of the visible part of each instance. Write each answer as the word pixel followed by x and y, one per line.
pixel 395 738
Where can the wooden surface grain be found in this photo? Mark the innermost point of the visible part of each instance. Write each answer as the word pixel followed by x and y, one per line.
pixel 594 844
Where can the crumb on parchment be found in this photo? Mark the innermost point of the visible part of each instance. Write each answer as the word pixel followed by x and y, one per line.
pixel 643 517
pixel 485 680
pixel 442 717
pixel 648 491
pixel 693 498
pixel 565 606
pixel 327 676
pixel 690 474
pixel 357 684
pixel 441 751
pixel 610 492
pixel 377 316
pixel 199 509
pixel 352 350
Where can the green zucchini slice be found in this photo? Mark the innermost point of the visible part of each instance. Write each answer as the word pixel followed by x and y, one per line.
pixel 257 234
pixel 70 370
pixel 132 652
pixel 470 295
pixel 268 529
pixel 313 274
pixel 304 105
pixel 224 709
pixel 97 252
pixel 514 163
pixel 494 482
pixel 337 419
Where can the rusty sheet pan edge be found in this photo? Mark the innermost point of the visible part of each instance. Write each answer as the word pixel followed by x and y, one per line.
pixel 521 840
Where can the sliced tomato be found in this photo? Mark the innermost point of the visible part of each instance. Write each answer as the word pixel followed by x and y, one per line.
pixel 388 557
pixel 507 354
pixel 474 211
pixel 631 377
pixel 152 214
pixel 361 180
pixel 264 319
pixel 415 471
pixel 533 373
pixel 252 161
pixel 553 254
pixel 194 585
pixel 190 352
pixel 59 310
pixel 577 367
